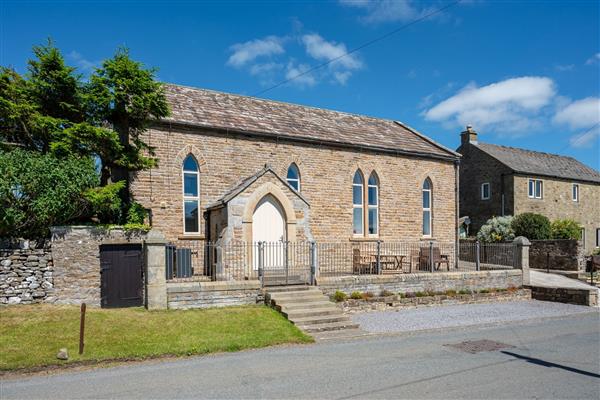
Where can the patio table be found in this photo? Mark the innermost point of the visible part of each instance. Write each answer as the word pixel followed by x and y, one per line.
pixel 391 262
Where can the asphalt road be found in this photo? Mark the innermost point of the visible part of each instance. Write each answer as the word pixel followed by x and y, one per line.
pixel 557 358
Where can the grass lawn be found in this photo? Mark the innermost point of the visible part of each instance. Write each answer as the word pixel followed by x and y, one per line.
pixel 30 336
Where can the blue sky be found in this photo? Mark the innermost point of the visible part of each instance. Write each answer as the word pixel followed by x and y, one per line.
pixel 524 74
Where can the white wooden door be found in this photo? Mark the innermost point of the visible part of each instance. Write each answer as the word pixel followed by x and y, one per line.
pixel 268 225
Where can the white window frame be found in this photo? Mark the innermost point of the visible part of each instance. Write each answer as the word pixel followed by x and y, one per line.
pixel 489 190
pixel 375 207
pixel 532 191
pixel 359 206
pixel 430 208
pixel 575 192
pixel 597 237
pixel 297 180
pixel 191 198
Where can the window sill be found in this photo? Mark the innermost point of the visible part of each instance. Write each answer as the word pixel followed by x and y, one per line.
pixel 191 237
pixel 364 239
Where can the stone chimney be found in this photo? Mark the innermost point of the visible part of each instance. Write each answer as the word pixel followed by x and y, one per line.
pixel 468 136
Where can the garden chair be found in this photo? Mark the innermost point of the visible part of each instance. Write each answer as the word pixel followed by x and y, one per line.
pixel 362 264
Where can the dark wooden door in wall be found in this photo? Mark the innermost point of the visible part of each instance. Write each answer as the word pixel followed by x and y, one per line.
pixel 121 275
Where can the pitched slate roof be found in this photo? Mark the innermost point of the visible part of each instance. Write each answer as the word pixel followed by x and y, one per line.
pixel 207 108
pixel 538 163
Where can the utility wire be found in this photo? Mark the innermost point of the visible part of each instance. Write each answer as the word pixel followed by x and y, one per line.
pixel 580 137
pixel 362 46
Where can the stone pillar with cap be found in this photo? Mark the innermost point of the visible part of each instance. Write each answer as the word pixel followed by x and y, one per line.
pixel 522 248
pixel 156 278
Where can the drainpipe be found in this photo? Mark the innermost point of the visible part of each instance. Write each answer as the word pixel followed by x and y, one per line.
pixel 456 211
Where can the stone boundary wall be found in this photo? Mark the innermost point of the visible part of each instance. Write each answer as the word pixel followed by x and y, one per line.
pixel 585 297
pixel 26 276
pixel 565 255
pixel 184 295
pixel 426 282
pixel 76 255
pixel 351 306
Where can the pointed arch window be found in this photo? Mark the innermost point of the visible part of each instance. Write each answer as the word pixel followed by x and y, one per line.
pixel 373 204
pixel 191 195
pixel 293 176
pixel 427 207
pixel 358 215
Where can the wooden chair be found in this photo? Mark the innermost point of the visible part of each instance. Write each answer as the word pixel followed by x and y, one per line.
pixel 362 264
pixel 439 259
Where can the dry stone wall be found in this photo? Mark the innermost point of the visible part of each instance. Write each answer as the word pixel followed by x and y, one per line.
pixel 26 276
pixel 564 255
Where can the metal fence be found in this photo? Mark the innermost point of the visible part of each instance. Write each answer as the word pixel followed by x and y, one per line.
pixel 302 262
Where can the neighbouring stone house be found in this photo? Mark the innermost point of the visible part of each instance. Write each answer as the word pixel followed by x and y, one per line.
pixel 498 180
pixel 237 168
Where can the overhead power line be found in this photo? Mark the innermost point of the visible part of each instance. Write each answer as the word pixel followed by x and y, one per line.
pixel 362 46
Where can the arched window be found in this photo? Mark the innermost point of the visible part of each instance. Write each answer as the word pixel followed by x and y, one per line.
pixel 427 206
pixel 191 195
pixel 373 204
pixel 358 215
pixel 293 176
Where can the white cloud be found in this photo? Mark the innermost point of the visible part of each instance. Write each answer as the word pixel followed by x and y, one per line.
pixel 595 59
pixel 84 64
pixel 322 50
pixel 298 74
pixel 244 53
pixel 585 139
pixel 564 68
pixel 580 114
pixel 512 105
pixel 266 68
pixel 387 10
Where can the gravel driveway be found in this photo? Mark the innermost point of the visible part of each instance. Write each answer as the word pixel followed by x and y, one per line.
pixel 415 319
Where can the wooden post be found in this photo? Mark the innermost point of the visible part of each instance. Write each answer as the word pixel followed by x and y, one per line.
pixel 81 328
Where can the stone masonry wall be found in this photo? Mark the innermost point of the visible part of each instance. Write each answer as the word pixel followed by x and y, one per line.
pixel 565 255
pixel 26 276
pixel 426 282
pixel 183 295
pixel 326 182
pixel 584 297
pixel 76 255
pixel 557 203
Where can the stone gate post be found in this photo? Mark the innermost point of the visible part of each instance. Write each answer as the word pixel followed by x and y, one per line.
pixel 522 247
pixel 156 279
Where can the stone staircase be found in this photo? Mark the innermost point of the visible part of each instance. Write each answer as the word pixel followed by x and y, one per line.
pixel 311 311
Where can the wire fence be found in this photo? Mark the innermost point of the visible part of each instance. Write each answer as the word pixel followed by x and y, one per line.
pixel 303 262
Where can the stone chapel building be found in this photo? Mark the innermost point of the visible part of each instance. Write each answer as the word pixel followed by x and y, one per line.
pixel 237 168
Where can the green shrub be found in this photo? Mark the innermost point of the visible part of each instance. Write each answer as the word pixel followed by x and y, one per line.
pixel 385 293
pixel 39 190
pixel 483 291
pixel 532 226
pixel 105 201
pixel 402 295
pixel 450 292
pixel 420 294
pixel 356 295
pixel 497 229
pixel 565 229
pixel 464 291
pixel 596 251
pixel 136 214
pixel 339 296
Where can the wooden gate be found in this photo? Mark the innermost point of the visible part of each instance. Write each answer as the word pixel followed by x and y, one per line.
pixel 121 275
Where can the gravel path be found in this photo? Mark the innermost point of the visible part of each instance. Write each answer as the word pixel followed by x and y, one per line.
pixel 416 319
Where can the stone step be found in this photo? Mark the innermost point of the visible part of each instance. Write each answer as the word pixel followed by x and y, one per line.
pixel 320 319
pixel 302 295
pixel 301 306
pixel 309 312
pixel 290 288
pixel 332 326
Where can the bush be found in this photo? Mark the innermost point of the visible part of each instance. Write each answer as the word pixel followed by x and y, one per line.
pixel 339 296
pixel 420 294
pixel 105 201
pixel 356 296
pixel 451 292
pixel 464 291
pixel 385 293
pixel 39 190
pixel 136 214
pixel 497 229
pixel 532 226
pixel 565 229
